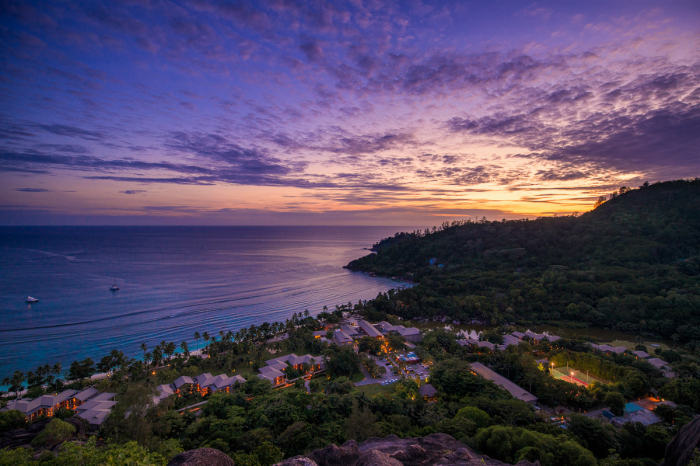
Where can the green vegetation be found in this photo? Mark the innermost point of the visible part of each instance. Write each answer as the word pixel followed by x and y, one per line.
pixel 631 264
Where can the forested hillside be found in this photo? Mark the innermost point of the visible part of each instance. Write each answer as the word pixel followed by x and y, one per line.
pixel 632 263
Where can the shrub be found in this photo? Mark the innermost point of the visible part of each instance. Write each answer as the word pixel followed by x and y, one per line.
pixel 478 416
pixel 56 431
pixel 10 420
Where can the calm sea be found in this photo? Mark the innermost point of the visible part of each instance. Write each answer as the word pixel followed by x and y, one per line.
pixel 173 281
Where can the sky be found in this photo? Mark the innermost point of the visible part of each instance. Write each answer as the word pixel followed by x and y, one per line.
pixel 358 112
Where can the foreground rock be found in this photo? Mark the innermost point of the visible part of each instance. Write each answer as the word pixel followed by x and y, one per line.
pixel 201 457
pixel 436 449
pixel 681 449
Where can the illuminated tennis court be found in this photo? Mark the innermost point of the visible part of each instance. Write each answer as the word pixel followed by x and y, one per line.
pixel 576 376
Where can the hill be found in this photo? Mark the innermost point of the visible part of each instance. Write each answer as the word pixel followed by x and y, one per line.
pixel 632 263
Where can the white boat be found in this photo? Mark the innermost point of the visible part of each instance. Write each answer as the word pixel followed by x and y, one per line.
pixel 32 300
pixel 114 287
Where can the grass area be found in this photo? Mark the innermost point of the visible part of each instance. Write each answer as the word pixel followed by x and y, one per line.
pixel 374 389
pixel 359 377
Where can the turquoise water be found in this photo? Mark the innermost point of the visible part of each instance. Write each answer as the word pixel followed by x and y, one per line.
pixel 173 281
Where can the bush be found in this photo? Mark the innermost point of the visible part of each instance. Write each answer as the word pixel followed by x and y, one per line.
pixel 56 431
pixel 616 402
pixel 478 416
pixel 511 445
pixel 10 420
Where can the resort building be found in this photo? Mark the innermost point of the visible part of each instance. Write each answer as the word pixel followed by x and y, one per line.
pixel 275 376
pixel 511 340
pixel 609 349
pixel 226 384
pixel 319 333
pixel 182 384
pixel 517 392
pixel 96 410
pixel 369 329
pixel 411 334
pixel 350 330
pixel 641 354
pixel 427 391
pixel 47 405
pixel 663 366
pixel 314 363
pixel 342 338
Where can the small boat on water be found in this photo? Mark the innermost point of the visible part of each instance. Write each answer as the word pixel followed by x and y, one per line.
pixel 114 287
pixel 31 300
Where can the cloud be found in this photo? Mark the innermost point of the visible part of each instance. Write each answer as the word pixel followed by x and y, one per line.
pixel 133 191
pixel 33 190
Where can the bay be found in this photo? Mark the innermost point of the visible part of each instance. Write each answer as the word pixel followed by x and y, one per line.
pixel 173 281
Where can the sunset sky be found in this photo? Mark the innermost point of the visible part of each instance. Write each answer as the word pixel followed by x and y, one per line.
pixel 353 112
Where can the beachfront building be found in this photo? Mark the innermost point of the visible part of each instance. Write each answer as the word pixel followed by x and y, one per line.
pixel 479 369
pixel 370 330
pixel 47 405
pixel 341 338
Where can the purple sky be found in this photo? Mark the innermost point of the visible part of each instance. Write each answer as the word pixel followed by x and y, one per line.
pixel 355 112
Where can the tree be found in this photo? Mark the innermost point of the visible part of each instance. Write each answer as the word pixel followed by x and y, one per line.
pixel 185 349
pixel 479 417
pixel 616 402
pixel 15 383
pixel 196 339
pixel 56 370
pixel 361 424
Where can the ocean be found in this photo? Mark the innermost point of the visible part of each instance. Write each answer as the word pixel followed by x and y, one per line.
pixel 173 282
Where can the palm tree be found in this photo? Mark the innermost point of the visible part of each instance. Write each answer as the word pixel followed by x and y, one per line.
pixel 196 338
pixel 185 349
pixel 15 382
pixel 170 350
pixel 56 370
pixel 147 358
pixel 144 347
pixel 206 338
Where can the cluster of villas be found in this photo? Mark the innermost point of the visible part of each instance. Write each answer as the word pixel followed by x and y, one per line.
pixel 203 384
pixel 511 339
pixel 275 370
pixel 660 364
pixel 347 334
pixel 89 404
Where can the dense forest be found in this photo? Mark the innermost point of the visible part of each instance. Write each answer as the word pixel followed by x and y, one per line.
pixel 632 263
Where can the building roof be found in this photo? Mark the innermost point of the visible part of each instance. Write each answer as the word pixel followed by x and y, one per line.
pixel 609 349
pixel 94 416
pixel 320 333
pixel 104 397
pixel 485 344
pixel 504 383
pixel 427 390
pixel 518 334
pixel 369 329
pixel 182 380
pixel 89 405
pixel 342 337
pixel 658 363
pixel 510 340
pixel 641 354
pixel 349 330
pixel 86 394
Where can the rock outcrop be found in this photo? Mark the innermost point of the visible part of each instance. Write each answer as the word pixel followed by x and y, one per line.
pixel 436 449
pixel 681 449
pixel 202 457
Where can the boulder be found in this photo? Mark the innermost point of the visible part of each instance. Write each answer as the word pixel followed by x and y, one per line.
pixel 202 457
pixel 436 449
pixel 681 449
